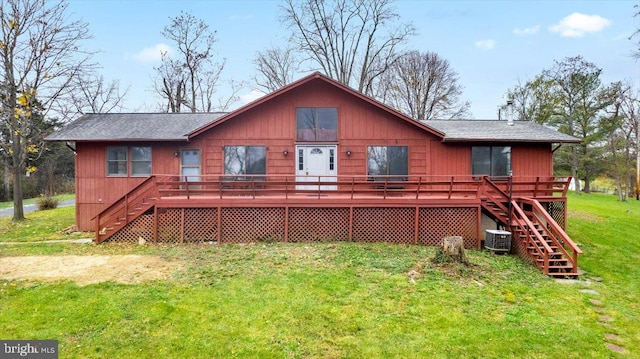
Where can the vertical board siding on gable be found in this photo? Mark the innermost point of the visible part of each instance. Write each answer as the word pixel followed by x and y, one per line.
pixel 273 125
pixel 266 127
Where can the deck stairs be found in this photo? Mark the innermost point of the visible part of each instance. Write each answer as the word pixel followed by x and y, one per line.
pixel 540 239
pixel 126 209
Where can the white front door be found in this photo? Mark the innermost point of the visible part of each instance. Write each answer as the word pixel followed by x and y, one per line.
pixel 190 164
pixel 316 163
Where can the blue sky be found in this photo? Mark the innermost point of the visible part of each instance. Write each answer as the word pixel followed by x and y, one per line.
pixel 491 44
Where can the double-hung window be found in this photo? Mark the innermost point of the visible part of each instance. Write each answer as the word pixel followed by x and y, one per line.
pixel 117 161
pixel 317 124
pixel 123 161
pixel 389 161
pixel 491 160
pixel 245 160
pixel 140 161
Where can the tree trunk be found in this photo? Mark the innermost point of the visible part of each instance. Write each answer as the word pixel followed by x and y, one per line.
pixel 574 169
pixel 637 164
pixel 453 247
pixel 18 210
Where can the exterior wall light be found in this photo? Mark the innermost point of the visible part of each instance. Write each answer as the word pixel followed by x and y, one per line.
pixel 285 152
pixel 348 153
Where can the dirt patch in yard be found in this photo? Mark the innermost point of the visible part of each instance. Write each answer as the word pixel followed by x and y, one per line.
pixel 85 270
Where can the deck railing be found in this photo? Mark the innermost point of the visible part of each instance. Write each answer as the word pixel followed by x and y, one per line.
pixel 288 186
pixel 534 187
pixel 353 187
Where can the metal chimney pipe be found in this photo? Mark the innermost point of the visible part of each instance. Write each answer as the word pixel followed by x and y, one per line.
pixel 510 112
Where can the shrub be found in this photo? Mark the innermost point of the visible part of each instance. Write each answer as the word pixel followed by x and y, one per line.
pixel 46 202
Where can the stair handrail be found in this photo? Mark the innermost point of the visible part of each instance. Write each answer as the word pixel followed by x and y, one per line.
pixel 530 229
pixel 504 196
pixel 124 202
pixel 555 231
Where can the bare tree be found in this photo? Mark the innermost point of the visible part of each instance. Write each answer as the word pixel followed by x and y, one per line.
pixel 189 77
pixel 225 103
pixel 351 41
pixel 424 86
pixel 276 67
pixel 40 55
pixel 93 95
pixel 170 83
pixel 636 34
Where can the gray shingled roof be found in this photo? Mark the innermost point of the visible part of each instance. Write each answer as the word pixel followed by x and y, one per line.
pixel 134 126
pixel 177 126
pixel 498 131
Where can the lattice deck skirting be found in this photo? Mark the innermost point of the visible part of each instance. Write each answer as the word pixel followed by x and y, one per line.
pixel 402 225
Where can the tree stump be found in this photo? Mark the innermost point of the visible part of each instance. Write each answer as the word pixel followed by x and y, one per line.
pixel 453 247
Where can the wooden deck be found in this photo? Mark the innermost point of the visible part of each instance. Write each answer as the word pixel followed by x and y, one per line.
pixel 413 210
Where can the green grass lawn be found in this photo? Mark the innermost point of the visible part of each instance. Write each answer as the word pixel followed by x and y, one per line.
pixel 41 226
pixel 60 197
pixel 331 300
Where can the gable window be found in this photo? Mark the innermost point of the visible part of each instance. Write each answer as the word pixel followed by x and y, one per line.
pixel 124 161
pixel 245 160
pixel 391 161
pixel 491 160
pixel 315 124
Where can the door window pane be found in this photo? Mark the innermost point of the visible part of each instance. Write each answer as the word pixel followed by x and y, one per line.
pixel 491 160
pixel 191 157
pixel 190 163
pixel 481 160
pixel 500 160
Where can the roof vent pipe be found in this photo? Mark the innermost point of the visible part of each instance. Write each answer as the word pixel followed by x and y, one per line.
pixel 510 112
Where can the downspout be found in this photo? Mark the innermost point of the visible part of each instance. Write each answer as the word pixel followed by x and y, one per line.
pixel 68 144
pixel 510 198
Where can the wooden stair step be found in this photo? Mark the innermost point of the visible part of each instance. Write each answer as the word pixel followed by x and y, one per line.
pixel 560 266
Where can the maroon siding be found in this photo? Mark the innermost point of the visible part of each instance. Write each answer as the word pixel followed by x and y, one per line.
pixel 95 191
pixel 532 160
pixel 273 124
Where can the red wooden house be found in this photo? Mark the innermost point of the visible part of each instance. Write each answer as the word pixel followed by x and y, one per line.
pixel 318 161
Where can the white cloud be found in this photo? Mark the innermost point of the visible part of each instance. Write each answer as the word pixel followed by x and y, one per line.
pixel 485 44
pixel 152 54
pixel 251 96
pixel 577 24
pixel 527 31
